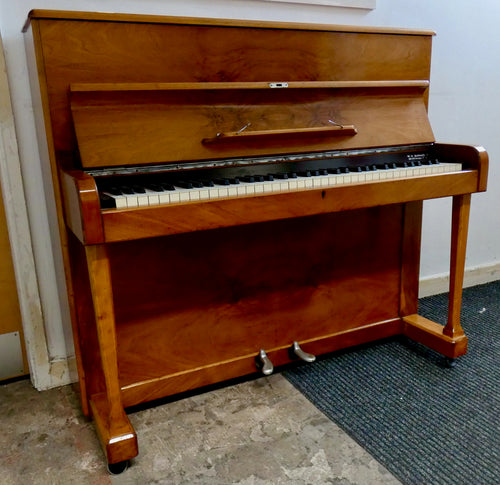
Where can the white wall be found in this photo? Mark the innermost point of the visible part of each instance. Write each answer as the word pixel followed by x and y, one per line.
pixel 464 108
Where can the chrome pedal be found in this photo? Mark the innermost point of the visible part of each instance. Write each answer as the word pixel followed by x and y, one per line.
pixel 263 363
pixel 295 350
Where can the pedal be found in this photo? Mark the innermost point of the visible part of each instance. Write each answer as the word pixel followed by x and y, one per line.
pixel 295 350
pixel 263 363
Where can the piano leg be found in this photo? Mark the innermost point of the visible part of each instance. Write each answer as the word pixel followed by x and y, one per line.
pixel 117 435
pixel 449 340
pixel 460 224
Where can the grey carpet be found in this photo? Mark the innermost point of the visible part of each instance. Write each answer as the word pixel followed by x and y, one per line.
pixel 427 423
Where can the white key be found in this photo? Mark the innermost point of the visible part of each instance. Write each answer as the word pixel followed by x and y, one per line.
pixel 142 200
pixel 308 183
pixel 324 180
pixel 164 197
pixel 250 188
pixel 174 196
pixel 194 194
pixel 259 188
pixel 120 200
pixel 151 197
pixel 132 200
pixel 204 194
pixel 213 193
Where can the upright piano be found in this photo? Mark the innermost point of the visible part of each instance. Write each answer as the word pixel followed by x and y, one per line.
pixel 233 196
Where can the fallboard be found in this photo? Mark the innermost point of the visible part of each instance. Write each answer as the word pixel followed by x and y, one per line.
pixel 135 124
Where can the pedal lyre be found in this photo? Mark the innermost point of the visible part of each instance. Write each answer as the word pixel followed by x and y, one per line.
pixel 298 352
pixel 263 363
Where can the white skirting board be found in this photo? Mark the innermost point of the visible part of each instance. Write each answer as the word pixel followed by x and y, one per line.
pixel 435 284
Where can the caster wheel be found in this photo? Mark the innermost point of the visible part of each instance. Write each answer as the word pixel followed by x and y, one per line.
pixel 117 468
pixel 449 362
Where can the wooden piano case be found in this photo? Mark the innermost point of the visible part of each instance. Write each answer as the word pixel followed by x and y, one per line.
pixel 168 299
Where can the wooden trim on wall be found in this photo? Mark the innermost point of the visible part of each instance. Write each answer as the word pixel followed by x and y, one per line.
pixel 20 238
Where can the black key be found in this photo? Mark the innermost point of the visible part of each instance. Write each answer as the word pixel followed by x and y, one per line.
pixel 208 183
pixel 166 186
pixel 114 191
pixel 107 202
pixel 334 171
pixel 314 173
pixel 126 189
pixel 154 187
pixel 307 173
pixel 196 183
pixel 322 171
pixel 292 175
pixel 269 177
pixel 221 181
pixel 248 179
pixel 281 176
pixel 184 184
pixel 234 181
pixel 259 178
pixel 138 189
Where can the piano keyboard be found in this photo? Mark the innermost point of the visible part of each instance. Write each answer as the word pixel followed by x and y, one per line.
pixel 122 195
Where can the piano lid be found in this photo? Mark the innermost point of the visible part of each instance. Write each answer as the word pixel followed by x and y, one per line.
pixel 160 124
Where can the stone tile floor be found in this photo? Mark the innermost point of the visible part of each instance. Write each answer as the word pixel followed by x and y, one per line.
pixel 257 432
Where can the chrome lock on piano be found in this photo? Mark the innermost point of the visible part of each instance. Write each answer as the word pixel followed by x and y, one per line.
pixel 234 196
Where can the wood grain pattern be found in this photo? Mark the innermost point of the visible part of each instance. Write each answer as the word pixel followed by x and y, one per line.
pixel 459 227
pixel 119 442
pixel 82 207
pixel 259 276
pixel 472 157
pixel 116 433
pixel 148 390
pixel 236 55
pixel 410 257
pixel 172 126
pixel 431 335
pixel 259 136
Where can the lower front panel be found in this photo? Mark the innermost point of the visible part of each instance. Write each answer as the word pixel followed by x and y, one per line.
pixel 209 300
